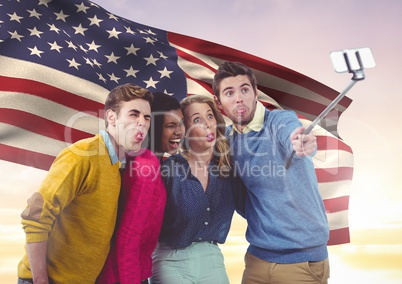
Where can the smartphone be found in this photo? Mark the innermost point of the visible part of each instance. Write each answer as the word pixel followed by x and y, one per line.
pixel 349 60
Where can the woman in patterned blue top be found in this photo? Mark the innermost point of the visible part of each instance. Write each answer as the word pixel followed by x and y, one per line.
pixel 200 200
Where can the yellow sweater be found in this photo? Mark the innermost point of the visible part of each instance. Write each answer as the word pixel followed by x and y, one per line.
pixel 75 211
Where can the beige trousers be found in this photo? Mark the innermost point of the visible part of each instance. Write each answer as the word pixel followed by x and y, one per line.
pixel 259 271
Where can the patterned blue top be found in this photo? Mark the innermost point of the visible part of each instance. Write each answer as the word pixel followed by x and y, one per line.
pixel 192 215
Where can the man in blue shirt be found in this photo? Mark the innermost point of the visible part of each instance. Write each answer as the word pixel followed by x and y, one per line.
pixel 287 225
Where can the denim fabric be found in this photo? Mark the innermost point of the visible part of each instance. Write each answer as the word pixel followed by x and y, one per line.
pixel 192 214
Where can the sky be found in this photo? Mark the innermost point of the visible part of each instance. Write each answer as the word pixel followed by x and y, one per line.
pixel 298 35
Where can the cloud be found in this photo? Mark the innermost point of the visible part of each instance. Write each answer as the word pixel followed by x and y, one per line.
pixel 368 264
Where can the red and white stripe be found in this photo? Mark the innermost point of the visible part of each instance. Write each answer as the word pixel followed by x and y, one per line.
pixel 282 88
pixel 42 110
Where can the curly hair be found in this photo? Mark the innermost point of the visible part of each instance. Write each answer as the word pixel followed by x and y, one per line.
pixel 161 104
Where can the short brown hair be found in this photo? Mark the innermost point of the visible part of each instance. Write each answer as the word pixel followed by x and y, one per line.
pixel 125 93
pixel 232 69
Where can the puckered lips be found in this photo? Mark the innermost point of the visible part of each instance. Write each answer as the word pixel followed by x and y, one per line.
pixel 241 110
pixel 139 136
pixel 211 137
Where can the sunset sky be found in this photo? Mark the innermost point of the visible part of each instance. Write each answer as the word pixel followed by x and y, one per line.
pixel 299 35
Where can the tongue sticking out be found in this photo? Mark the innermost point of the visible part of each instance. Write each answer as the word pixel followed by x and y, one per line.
pixel 210 137
pixel 139 136
pixel 240 111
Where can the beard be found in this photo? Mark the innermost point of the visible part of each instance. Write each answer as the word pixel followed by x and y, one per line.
pixel 245 118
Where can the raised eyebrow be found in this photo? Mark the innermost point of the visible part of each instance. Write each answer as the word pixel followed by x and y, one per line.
pixel 197 113
pixel 226 89
pixel 231 88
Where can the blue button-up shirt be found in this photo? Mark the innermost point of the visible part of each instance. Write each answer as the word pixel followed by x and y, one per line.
pixel 192 215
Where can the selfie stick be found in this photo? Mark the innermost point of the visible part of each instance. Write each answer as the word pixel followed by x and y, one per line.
pixel 358 75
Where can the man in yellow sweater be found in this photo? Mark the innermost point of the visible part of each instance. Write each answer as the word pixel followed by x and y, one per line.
pixel 69 222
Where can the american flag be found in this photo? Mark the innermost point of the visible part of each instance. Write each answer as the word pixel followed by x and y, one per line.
pixel 60 58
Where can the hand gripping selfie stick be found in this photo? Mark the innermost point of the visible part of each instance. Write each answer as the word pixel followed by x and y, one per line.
pixel 353 61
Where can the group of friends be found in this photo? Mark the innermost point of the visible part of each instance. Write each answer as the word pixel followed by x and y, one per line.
pixel 150 198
